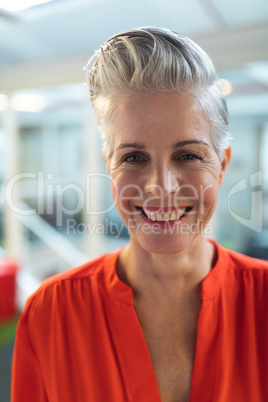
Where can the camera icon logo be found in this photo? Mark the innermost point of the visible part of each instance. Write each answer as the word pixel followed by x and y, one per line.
pixel 255 220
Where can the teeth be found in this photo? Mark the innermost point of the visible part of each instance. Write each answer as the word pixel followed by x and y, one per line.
pixel 165 217
pixel 180 213
pixel 158 217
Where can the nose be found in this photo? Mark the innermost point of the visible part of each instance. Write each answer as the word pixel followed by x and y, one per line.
pixel 161 182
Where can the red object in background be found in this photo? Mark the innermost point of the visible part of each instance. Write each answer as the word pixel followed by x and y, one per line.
pixel 8 269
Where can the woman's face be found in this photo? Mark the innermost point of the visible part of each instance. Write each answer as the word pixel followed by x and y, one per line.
pixel 164 169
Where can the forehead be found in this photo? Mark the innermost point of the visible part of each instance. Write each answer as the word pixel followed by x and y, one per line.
pixel 172 116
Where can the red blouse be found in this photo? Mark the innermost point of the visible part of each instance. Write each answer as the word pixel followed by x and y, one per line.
pixel 79 338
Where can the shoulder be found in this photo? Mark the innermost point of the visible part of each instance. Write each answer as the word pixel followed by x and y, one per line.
pixel 243 274
pixel 237 261
pixel 90 269
pixel 71 288
pixel 235 275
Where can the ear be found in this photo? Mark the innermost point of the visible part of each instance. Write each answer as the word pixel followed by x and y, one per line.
pixel 104 156
pixel 106 160
pixel 224 163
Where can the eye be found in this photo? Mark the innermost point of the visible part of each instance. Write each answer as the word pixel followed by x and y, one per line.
pixel 133 158
pixel 189 157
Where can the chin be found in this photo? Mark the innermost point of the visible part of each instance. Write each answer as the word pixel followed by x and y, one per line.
pixel 165 246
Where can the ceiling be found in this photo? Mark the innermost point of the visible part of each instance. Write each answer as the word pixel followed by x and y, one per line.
pixel 66 27
pixel 48 45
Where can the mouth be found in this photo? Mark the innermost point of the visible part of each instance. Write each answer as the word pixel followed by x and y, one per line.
pixel 167 216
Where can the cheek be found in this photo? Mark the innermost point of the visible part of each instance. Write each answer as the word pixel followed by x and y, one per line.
pixel 209 195
pixel 202 186
pixel 125 188
pixel 209 191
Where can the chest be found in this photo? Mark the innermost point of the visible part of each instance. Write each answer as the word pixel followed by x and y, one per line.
pixel 171 339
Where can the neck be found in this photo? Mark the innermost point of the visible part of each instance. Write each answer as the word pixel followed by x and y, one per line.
pixel 160 274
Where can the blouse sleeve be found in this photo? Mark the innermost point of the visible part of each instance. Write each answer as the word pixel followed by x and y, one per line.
pixel 27 383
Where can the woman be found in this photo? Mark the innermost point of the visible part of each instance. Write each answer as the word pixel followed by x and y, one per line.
pixel 171 316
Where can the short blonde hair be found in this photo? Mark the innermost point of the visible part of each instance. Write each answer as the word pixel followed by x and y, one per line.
pixel 148 60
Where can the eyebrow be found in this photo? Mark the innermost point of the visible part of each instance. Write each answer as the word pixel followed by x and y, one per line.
pixel 130 145
pixel 188 142
pixel 179 144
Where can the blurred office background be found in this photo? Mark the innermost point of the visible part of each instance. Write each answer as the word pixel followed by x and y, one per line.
pixel 52 176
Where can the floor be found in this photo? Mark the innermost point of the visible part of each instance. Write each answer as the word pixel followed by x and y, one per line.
pixel 6 351
pixel 7 336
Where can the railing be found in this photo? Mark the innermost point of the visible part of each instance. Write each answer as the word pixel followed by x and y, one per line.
pixel 2 252
pixel 27 283
pixel 52 238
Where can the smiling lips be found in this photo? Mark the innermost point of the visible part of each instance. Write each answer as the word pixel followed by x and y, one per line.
pixel 154 214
